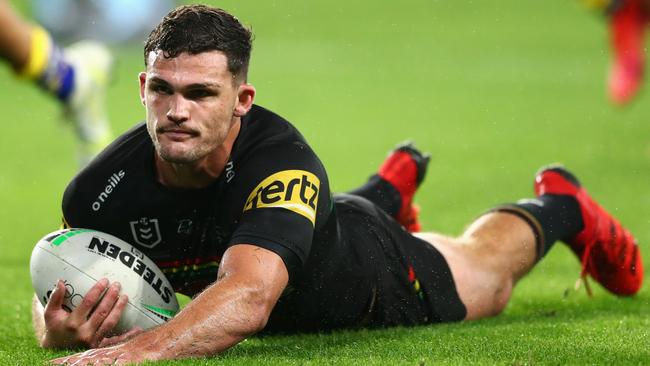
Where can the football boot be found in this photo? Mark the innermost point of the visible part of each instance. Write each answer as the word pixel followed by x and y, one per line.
pixel 405 168
pixel 608 252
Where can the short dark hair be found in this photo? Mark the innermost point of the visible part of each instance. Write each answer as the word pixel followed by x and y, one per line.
pixel 199 28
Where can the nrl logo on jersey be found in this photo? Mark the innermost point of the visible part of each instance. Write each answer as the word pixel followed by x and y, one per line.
pixel 146 232
pixel 230 171
pixel 294 190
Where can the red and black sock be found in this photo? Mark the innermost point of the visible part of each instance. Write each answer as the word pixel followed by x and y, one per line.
pixel 382 193
pixel 394 185
pixel 552 217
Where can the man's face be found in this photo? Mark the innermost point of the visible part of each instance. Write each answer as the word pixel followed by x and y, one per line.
pixel 191 103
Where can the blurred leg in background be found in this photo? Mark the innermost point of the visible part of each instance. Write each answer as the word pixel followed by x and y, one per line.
pixel 77 76
pixel 108 21
pixel 627 20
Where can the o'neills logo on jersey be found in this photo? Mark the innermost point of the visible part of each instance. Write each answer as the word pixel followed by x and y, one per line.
pixel 113 181
pixel 295 190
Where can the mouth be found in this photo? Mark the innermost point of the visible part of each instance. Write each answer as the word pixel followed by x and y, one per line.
pixel 176 133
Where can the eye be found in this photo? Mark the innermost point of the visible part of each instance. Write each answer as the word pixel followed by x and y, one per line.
pixel 160 89
pixel 199 94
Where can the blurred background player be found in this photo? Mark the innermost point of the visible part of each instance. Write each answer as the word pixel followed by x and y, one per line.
pixel 76 76
pixel 109 21
pixel 627 22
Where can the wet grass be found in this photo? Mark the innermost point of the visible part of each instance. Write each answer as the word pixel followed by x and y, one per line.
pixel 493 89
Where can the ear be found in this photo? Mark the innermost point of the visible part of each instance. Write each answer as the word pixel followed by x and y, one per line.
pixel 142 77
pixel 245 97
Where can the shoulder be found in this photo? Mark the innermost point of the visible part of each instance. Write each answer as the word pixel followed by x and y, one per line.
pixel 261 114
pixel 270 156
pixel 285 174
pixel 261 127
pixel 124 145
pixel 123 151
pixel 269 141
pixel 117 162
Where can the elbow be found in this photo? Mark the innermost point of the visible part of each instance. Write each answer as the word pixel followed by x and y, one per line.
pixel 258 308
pixel 257 324
pixel 262 312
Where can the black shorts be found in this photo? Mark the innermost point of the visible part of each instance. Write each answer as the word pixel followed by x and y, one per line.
pixel 414 285
pixel 374 274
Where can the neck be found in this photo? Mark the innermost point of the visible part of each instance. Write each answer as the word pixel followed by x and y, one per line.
pixel 201 173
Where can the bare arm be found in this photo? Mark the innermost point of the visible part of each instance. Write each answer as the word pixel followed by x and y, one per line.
pixel 237 305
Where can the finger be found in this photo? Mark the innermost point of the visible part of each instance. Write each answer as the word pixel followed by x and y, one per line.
pixel 105 306
pixel 92 297
pixel 113 317
pixel 110 341
pixel 65 360
pixel 58 361
pixel 81 360
pixel 91 357
pixel 133 331
pixel 56 300
pixel 74 359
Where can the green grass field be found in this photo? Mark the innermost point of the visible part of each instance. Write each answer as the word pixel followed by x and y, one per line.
pixel 494 89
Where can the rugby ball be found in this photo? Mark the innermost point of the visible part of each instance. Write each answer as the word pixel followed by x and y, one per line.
pixel 81 257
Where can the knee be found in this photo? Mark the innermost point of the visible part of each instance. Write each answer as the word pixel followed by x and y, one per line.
pixel 501 296
pixel 487 296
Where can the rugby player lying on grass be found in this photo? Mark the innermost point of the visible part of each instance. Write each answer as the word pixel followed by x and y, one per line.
pixel 248 225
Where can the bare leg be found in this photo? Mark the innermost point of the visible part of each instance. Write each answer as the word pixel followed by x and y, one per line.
pixel 15 36
pixel 487 260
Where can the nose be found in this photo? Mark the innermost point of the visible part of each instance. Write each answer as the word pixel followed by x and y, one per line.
pixel 178 111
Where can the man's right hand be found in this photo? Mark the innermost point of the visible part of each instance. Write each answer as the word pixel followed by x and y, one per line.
pixel 89 323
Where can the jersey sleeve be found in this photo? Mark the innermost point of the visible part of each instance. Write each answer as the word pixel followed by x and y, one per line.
pixel 71 203
pixel 285 197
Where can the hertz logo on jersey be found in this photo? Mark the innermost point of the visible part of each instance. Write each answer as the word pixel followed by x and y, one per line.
pixel 295 190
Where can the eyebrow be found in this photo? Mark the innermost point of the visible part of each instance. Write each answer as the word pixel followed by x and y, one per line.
pixel 204 86
pixel 214 85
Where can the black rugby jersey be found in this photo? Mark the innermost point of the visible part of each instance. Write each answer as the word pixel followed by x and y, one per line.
pixel 273 193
